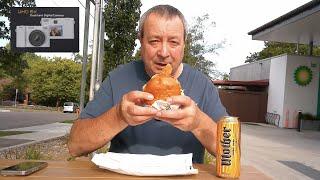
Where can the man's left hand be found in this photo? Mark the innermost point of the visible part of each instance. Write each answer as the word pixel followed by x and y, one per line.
pixel 184 118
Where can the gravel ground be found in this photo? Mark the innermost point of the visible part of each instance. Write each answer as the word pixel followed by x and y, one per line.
pixel 55 149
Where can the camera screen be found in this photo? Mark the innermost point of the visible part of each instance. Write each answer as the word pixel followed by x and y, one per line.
pixel 24 166
pixel 56 30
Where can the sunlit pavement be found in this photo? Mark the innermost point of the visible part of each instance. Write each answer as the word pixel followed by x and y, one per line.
pixel 39 133
pixel 281 153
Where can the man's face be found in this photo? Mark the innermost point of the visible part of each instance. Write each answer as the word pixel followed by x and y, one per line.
pixel 162 43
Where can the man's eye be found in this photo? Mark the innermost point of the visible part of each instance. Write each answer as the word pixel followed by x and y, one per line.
pixel 175 43
pixel 153 41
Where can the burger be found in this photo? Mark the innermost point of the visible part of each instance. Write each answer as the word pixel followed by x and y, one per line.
pixel 162 86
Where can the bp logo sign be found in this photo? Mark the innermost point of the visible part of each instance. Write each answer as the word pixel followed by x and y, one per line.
pixel 303 75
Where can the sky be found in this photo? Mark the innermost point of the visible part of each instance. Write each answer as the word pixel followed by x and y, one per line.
pixel 233 19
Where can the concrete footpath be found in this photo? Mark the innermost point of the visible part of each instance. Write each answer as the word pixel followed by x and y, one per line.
pixel 38 134
pixel 281 153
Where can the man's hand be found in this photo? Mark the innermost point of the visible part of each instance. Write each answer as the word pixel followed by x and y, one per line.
pixel 185 118
pixel 131 110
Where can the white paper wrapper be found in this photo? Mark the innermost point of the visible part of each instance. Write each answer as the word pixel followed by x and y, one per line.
pixel 146 164
pixel 164 105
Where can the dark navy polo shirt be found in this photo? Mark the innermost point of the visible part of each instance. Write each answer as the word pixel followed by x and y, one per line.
pixel 155 137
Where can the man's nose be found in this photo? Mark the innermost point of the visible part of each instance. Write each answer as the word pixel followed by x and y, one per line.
pixel 163 51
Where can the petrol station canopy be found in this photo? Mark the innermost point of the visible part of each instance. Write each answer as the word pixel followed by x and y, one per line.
pixel 301 25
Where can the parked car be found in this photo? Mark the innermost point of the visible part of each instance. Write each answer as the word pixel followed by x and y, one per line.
pixel 70 107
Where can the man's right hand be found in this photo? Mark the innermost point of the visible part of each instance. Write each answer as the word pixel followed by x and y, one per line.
pixel 131 109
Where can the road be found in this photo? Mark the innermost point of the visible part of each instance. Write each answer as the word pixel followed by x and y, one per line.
pixel 9 120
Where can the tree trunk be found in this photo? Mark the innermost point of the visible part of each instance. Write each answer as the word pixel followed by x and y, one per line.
pixel 58 103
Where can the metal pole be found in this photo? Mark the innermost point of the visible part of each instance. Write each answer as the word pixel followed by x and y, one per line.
pixel 95 49
pixel 310 48
pixel 299 121
pixel 15 99
pixel 101 51
pixel 85 54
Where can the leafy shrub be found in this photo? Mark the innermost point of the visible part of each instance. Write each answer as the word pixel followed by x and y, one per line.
pixel 309 116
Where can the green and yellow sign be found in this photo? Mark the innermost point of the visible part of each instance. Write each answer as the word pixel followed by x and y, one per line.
pixel 303 75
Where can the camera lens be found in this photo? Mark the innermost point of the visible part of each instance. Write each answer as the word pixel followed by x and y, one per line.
pixel 37 38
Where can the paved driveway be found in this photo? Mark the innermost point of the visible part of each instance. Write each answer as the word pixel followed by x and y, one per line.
pixel 9 120
pixel 281 153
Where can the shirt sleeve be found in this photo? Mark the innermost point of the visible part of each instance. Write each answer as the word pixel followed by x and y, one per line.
pixel 212 104
pixel 102 102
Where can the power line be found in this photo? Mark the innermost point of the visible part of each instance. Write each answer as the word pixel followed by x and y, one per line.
pixel 81 4
pixel 55 3
pixel 84 7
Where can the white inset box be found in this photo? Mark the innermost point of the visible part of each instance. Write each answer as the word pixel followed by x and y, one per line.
pixel 60 28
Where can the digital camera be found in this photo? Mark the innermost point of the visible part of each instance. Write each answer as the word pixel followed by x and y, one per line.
pixel 60 28
pixel 32 36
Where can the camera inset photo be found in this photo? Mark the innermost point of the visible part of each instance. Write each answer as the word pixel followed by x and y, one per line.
pixel 32 36
pixel 56 30
pixel 60 28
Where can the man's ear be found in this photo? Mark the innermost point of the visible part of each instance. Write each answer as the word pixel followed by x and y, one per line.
pixel 140 40
pixel 141 47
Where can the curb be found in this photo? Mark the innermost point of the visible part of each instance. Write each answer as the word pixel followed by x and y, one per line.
pixel 4 110
pixel 260 124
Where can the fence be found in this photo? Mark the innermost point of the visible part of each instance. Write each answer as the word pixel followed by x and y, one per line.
pixel 272 118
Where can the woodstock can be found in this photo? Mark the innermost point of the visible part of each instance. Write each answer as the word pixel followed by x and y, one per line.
pixel 228 147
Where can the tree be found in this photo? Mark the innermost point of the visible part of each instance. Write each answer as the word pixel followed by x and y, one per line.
pixel 5 6
pixel 53 82
pixel 276 48
pixel 137 55
pixel 11 64
pixel 9 59
pixel 196 48
pixel 77 57
pixel 225 76
pixel 11 69
pixel 121 18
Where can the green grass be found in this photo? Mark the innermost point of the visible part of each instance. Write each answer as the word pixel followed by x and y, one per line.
pixel 71 158
pixel 68 121
pixel 9 133
pixel 33 154
pixel 208 158
pixel 103 149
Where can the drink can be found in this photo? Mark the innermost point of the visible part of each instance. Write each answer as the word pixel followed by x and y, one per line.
pixel 228 147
